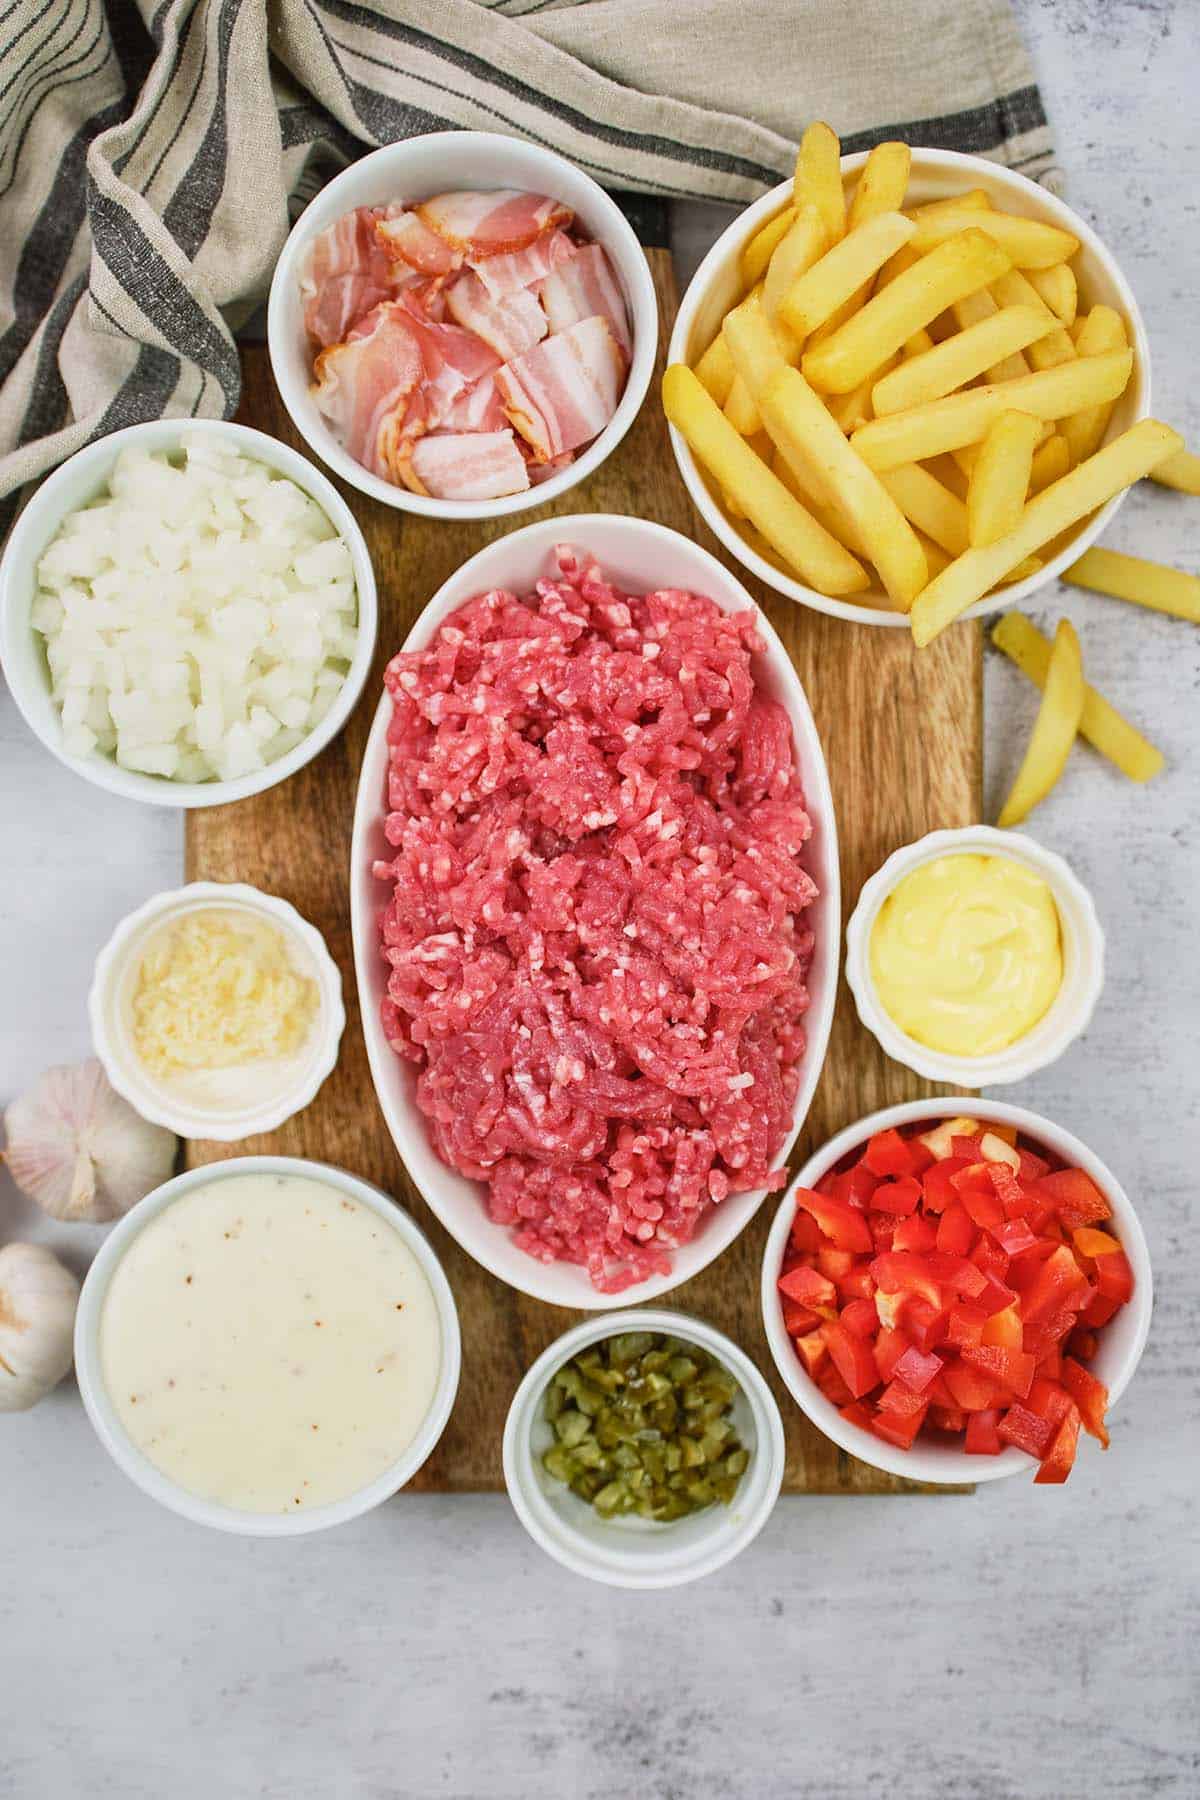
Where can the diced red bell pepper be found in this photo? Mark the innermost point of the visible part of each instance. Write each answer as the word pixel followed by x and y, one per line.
pixel 1045 1335
pixel 1075 1197
pixel 856 1283
pixel 1050 1365
pixel 1059 1459
pixel 937 1184
pixel 965 1146
pixel 1114 1277
pixel 956 1230
pixel 888 1153
pixel 1032 1167
pixel 853 1359
pixel 939 1395
pixel 855 1413
pixel 915 1233
pixel 925 1324
pixel 1089 1395
pixel 899 1398
pixel 808 1287
pixel 831 1384
pixel 883 1230
pixel 1026 1429
pixel 972 1389
pixel 798 1321
pixel 860 1317
pixel 1014 1236
pixel 1007 1188
pixel 917 1370
pixel 948 1418
pixel 1090 1242
pixel 895 1430
pixel 1049 1400
pixel 1057 1280
pixel 966 1325
pixel 958 1273
pixel 835 1264
pixel 1082 1345
pixel 988 1256
pixel 995 1297
pixel 1012 1369
pixel 982 1203
pixel 854 1186
pixel 812 1351
pixel 1099 1310
pixel 899 1271
pixel 889 1348
pixel 842 1224
pixel 901 1196
pixel 983 1439
pixel 1005 1329
pixel 805 1234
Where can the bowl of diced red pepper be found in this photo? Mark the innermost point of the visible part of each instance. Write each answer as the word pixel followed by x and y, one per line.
pixel 957 1298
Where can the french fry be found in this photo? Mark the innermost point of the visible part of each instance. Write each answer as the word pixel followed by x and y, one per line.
pixel 1050 463
pixel 802 246
pixel 799 479
pixel 973 200
pixel 1103 329
pixel 936 558
pixel 757 253
pixel 905 258
pixel 1054 729
pixel 839 274
pixel 959 359
pixel 972 310
pixel 1181 472
pixel 947 471
pixel 1143 583
pixel 818 178
pixel 1028 243
pixel 797 418
pixel 959 419
pixel 1030 566
pixel 1101 724
pixel 1059 289
pixel 851 410
pixel 715 369
pixel 793 533
pixel 754 348
pixel 1055 509
pixel 740 409
pixel 917 344
pixel 914 299
pixel 881 185
pixel 929 506
pixel 1015 288
pixel 1000 478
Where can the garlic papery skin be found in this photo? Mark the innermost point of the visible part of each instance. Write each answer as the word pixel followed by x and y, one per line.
pixel 80 1150
pixel 38 1297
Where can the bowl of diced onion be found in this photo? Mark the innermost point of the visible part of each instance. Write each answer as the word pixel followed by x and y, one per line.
pixel 187 612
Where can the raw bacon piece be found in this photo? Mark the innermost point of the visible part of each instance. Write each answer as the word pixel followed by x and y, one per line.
pixel 469 465
pixel 562 393
pixel 491 224
pixel 539 472
pixel 349 272
pixel 478 409
pixel 583 287
pixel 511 325
pixel 502 275
pixel 362 383
pixel 410 238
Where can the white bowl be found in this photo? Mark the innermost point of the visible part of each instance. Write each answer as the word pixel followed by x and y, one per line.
pixel 1120 1343
pixel 632 1552
pixel 415 169
pixel 112 991
pixel 1082 947
pixel 71 486
pixel 639 556
pixel 140 1469
pixel 717 285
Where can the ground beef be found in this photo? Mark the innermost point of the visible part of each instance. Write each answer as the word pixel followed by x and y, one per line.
pixel 597 932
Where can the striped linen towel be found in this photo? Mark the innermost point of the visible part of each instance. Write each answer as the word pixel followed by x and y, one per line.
pixel 153 155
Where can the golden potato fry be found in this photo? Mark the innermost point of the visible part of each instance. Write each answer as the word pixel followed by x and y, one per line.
pixel 917 344
pixel 963 418
pixel 947 471
pixel 959 359
pixel 851 410
pixel 905 258
pixel 1054 729
pixel 936 558
pixel 1143 583
pixel 818 178
pixel 800 479
pixel 972 309
pixel 1058 507
pixel 740 409
pixel 796 418
pixel 1030 566
pixel 1103 329
pixel 1059 289
pixel 757 253
pixel 1050 463
pixel 881 185
pixel 926 504
pixel 1015 288
pixel 914 299
pixel 1000 478
pixel 973 200
pixel 792 532
pixel 1181 472
pixel 804 244
pixel 1028 243
pixel 839 274
pixel 1101 724
pixel 754 346
pixel 715 369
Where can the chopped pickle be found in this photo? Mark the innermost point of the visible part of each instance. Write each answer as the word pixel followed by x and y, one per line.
pixel 643 1424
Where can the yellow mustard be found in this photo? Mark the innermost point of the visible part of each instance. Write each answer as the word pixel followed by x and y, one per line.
pixel 966 953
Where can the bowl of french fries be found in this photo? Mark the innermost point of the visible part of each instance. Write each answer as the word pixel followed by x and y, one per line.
pixel 909 386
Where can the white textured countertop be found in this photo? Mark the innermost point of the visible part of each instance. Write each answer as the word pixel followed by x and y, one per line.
pixel 1012 1644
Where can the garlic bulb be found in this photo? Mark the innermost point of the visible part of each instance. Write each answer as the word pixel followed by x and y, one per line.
pixel 38 1295
pixel 81 1151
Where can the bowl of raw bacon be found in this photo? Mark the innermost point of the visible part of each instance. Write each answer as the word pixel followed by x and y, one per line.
pixel 462 325
pixel 955 1298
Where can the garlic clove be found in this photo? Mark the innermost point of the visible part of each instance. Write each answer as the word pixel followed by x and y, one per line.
pixel 80 1150
pixel 38 1297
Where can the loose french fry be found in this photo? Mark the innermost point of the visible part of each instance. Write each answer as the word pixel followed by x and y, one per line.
pixel 973 200
pixel 818 178
pixel 758 252
pixel 1101 724
pixel 1103 329
pixel 804 545
pixel 1058 507
pixel 1050 463
pixel 1181 472
pixel 1054 729
pixel 803 245
pixel 881 185
pixel 740 409
pixel 958 419
pixel 929 506
pixel 797 418
pixel 959 359
pixel 1059 289
pixel 839 274
pixel 1015 288
pixel 914 299
pixel 715 369
pixel 972 310
pixel 1028 243
pixel 1000 478
pixel 1143 583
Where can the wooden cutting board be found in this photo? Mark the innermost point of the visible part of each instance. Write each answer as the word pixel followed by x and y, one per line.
pixel 901 731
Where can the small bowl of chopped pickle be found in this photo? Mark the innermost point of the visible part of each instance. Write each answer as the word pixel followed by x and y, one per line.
pixel 643 1449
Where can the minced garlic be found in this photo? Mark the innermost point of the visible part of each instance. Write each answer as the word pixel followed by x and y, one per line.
pixel 215 990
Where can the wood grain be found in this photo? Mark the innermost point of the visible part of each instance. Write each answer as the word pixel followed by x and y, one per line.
pixel 901 732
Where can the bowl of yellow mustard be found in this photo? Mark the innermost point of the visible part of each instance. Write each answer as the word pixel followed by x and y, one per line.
pixel 975 956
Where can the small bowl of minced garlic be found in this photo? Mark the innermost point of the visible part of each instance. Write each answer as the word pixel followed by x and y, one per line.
pixel 216 1010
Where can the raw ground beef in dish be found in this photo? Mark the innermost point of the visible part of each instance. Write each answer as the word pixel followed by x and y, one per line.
pixel 597 933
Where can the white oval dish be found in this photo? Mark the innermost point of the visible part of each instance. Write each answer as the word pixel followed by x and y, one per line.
pixel 1083 960
pixel 71 486
pixel 638 556
pixel 1120 1343
pixel 717 285
pixel 636 1553
pixel 103 1414
pixel 110 992
pixel 415 169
